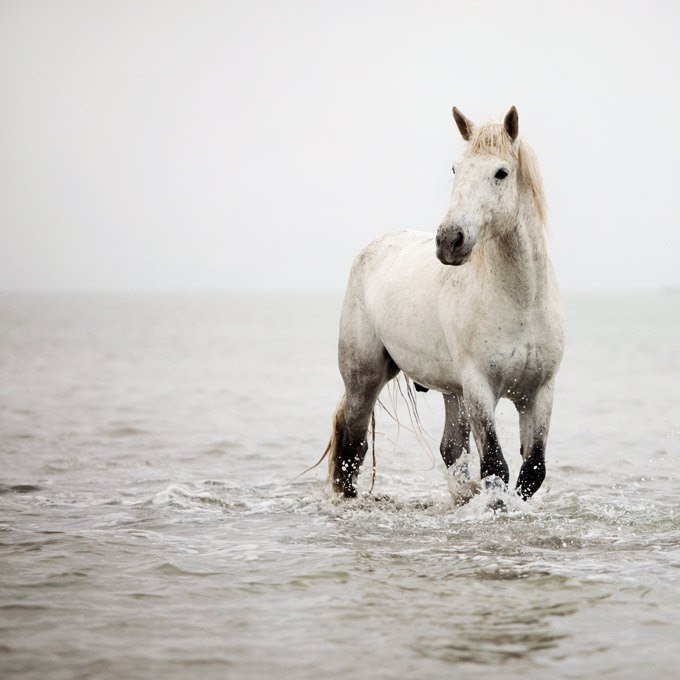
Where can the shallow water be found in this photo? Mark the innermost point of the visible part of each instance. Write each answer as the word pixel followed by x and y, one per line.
pixel 147 528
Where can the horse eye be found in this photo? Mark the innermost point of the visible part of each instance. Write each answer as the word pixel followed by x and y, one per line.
pixel 453 169
pixel 501 174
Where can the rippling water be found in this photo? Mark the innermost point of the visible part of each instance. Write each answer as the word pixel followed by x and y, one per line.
pixel 147 528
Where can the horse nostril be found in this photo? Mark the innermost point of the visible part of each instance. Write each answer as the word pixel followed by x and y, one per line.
pixel 438 240
pixel 458 241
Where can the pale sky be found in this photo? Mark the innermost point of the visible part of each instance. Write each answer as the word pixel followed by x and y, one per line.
pixel 261 145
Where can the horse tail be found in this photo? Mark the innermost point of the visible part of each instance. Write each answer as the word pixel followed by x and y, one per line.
pixel 334 450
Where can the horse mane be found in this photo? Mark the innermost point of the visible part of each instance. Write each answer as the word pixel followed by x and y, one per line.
pixel 492 139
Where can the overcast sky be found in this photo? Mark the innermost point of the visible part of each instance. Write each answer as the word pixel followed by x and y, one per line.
pixel 260 145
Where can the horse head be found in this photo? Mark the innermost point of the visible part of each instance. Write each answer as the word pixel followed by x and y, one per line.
pixel 486 191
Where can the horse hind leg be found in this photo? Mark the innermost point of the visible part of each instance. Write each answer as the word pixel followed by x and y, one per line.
pixel 348 448
pixel 455 443
pixel 456 438
pixel 365 367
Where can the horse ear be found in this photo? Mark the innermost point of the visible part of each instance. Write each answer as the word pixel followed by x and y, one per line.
pixel 465 125
pixel 511 123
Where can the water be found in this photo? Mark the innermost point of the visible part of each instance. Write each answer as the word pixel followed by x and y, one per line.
pixel 147 530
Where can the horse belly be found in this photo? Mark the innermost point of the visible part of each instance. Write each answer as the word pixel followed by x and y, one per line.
pixel 407 323
pixel 429 369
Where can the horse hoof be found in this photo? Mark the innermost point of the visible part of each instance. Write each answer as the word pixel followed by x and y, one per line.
pixel 493 483
pixel 497 505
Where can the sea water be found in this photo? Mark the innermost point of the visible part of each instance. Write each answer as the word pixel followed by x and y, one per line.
pixel 149 527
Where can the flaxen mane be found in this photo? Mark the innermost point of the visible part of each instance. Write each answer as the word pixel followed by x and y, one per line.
pixel 492 139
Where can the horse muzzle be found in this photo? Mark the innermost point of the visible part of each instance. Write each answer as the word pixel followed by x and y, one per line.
pixel 452 246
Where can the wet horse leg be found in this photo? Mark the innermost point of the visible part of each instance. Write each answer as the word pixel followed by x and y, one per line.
pixel 365 367
pixel 456 437
pixel 455 443
pixel 534 422
pixel 480 405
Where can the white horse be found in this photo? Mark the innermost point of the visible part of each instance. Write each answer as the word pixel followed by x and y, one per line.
pixel 474 313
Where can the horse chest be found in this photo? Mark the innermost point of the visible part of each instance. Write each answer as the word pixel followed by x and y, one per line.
pixel 518 363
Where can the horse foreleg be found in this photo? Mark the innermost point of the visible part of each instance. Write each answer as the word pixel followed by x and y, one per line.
pixel 534 421
pixel 480 406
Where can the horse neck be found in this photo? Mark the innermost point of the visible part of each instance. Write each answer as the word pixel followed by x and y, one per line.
pixel 515 263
